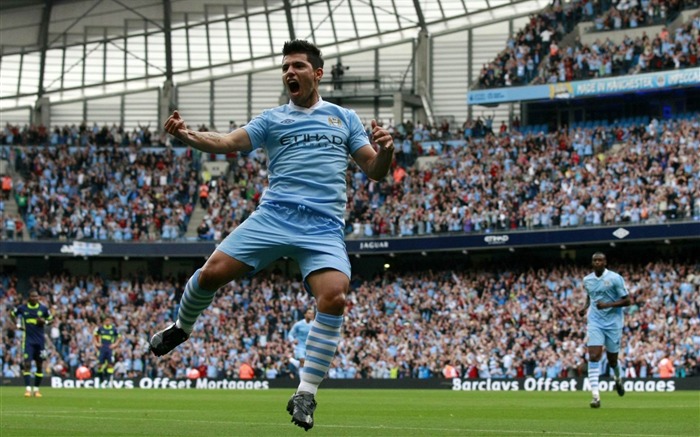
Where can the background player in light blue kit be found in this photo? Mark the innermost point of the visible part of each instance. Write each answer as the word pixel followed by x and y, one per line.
pixel 298 335
pixel 608 293
pixel 300 216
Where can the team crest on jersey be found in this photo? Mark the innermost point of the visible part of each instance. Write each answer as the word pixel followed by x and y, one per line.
pixel 334 121
pixel 607 283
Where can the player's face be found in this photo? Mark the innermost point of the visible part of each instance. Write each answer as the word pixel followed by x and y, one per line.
pixel 599 262
pixel 309 314
pixel 301 79
pixel 33 298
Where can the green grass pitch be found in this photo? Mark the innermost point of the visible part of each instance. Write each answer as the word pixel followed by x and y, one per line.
pixel 140 412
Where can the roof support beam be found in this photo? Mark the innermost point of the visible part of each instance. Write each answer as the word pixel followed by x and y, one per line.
pixel 419 13
pixel 290 22
pixel 167 21
pixel 76 21
pixel 44 43
pixel 139 14
pixel 354 22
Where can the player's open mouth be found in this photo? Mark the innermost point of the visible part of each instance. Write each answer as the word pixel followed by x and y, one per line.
pixel 293 87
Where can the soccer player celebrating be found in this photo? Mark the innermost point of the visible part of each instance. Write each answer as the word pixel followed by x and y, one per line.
pixel 300 216
pixel 34 316
pixel 299 333
pixel 106 338
pixel 608 293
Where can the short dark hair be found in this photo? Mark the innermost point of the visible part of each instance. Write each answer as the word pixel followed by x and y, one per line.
pixel 313 54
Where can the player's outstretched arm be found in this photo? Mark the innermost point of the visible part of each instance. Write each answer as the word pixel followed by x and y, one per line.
pixel 210 142
pixel 624 302
pixel 376 164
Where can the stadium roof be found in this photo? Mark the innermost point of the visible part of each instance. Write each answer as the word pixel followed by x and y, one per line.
pixel 75 48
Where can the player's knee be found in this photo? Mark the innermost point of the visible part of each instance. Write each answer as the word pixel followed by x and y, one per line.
pixel 213 276
pixel 332 301
pixel 218 271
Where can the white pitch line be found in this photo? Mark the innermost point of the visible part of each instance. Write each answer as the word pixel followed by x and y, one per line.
pixel 379 427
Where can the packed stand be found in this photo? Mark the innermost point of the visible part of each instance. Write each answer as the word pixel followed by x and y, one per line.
pixel 487 324
pixel 161 186
pixel 487 178
pixel 519 62
pixel 81 135
pixel 664 51
pixel 629 14
pixel 105 192
pixel 603 175
pixel 484 178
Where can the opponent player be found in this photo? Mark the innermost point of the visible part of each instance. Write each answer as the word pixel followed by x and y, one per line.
pixel 307 142
pixel 106 339
pixel 34 317
pixel 608 293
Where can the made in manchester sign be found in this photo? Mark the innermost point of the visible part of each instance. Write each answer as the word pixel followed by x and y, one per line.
pixel 588 88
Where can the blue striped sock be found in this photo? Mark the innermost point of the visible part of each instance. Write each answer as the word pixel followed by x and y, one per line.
pixel 194 301
pixel 320 348
pixel 594 376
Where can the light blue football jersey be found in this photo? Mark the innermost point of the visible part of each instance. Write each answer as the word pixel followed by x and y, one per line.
pixel 300 331
pixel 308 152
pixel 609 287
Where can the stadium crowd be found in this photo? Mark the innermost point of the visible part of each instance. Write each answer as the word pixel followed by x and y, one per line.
pixel 519 62
pixel 479 180
pixel 628 14
pixel 103 193
pixel 535 54
pixel 484 323
pixel 665 51
pixel 602 175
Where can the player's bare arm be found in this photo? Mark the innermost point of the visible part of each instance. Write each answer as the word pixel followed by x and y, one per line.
pixel 582 311
pixel 624 302
pixel 376 164
pixel 210 142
